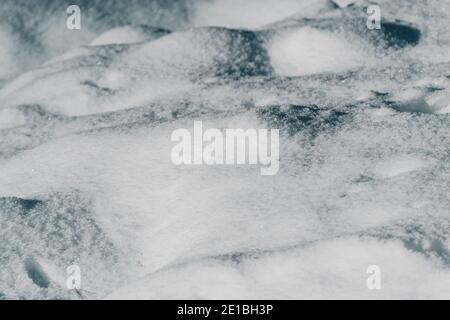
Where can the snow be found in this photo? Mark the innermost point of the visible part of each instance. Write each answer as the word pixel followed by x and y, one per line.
pixel 86 177
pixel 343 261
pixel 310 51
pixel 253 13
pixel 118 35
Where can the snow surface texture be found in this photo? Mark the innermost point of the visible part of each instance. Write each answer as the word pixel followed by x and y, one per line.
pixel 85 170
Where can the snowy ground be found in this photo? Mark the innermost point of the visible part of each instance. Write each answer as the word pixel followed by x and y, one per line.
pixel 85 171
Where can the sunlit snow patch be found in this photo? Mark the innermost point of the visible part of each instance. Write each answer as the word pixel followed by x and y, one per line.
pixel 309 51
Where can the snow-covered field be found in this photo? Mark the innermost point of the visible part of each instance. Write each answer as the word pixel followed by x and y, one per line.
pixel 86 177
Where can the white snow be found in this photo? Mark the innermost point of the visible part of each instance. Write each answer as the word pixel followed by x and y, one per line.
pixel 8 61
pixel 339 265
pixel 251 13
pixel 398 165
pixel 10 118
pixel 308 51
pixel 359 183
pixel 125 34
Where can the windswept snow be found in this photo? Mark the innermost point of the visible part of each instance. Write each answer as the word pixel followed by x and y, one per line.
pixel 86 177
